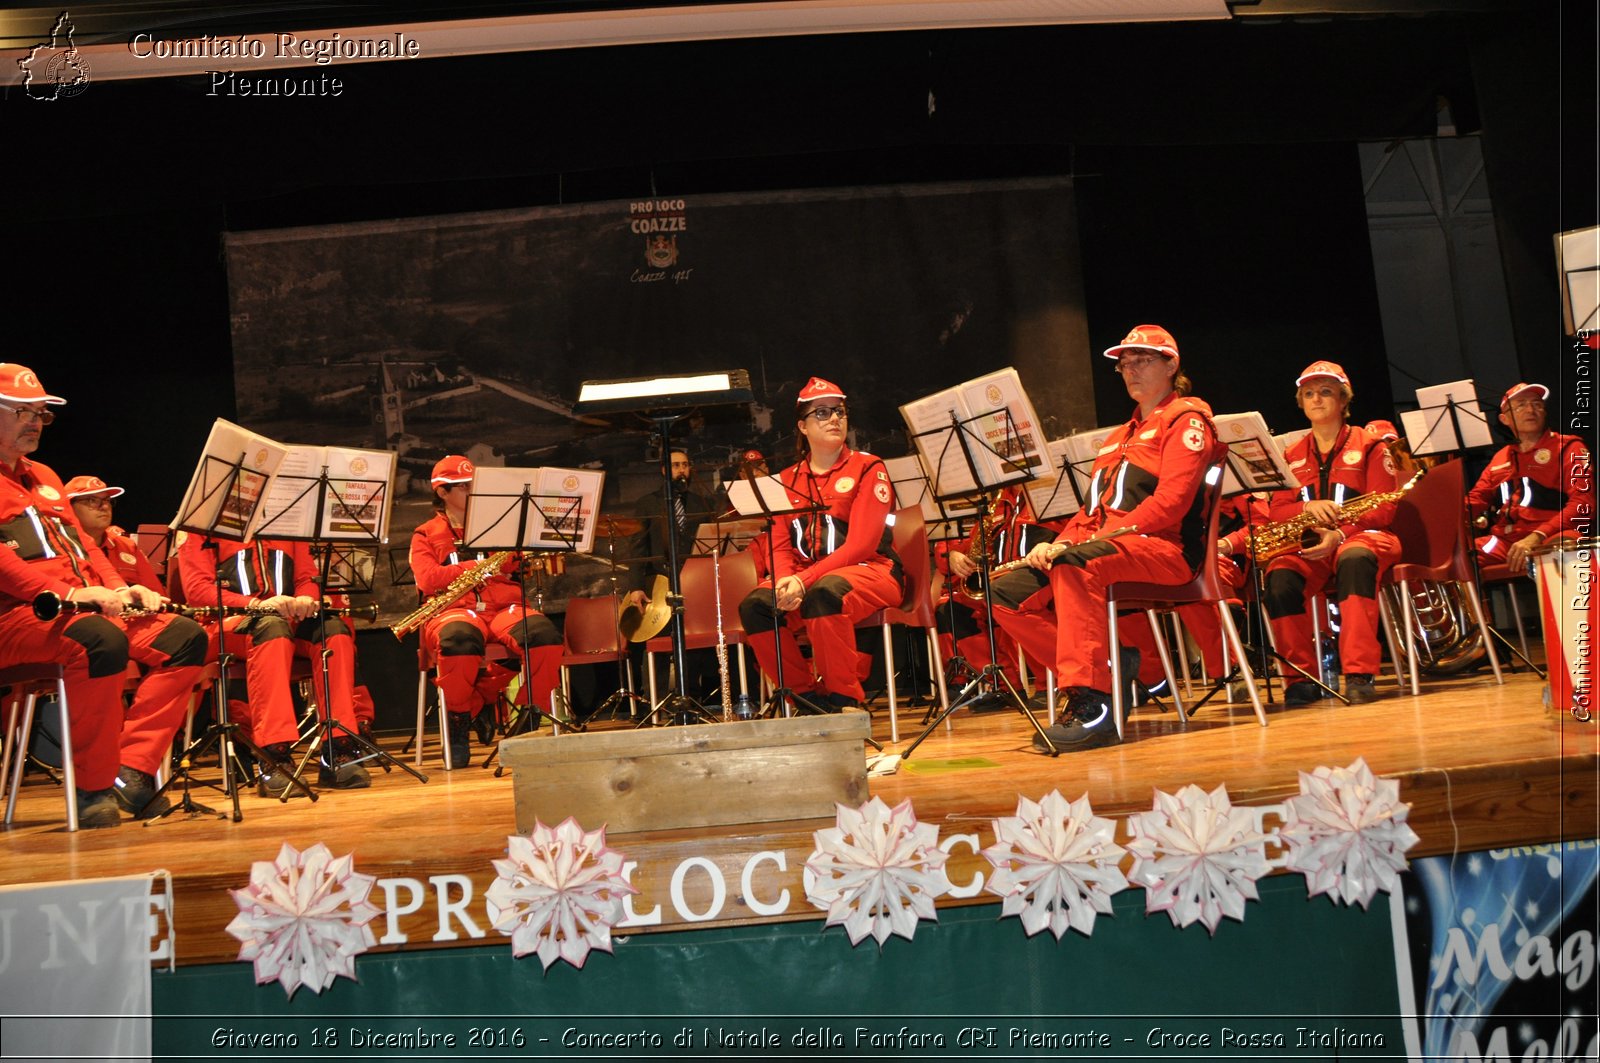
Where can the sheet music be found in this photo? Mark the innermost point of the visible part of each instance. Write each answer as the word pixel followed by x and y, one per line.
pixel 1255 462
pixel 354 502
pixel 1051 495
pixel 568 502
pixel 215 504
pixel 774 495
pixel 1001 432
pixel 1007 422
pixel 942 454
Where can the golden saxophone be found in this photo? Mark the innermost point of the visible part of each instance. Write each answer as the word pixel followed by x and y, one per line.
pixel 985 543
pixel 1299 533
pixel 458 588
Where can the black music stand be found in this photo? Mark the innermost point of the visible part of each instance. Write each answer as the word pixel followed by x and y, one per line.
pixel 990 682
pixel 358 518
pixel 1256 463
pixel 558 528
pixel 221 502
pixel 665 400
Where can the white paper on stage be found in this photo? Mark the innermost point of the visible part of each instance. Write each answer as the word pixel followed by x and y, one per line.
pixel 1286 440
pixel 1429 429
pixel 354 502
pixel 1255 462
pixel 1051 495
pixel 998 428
pixel 775 497
pixel 219 503
pixel 560 508
pixel 77 981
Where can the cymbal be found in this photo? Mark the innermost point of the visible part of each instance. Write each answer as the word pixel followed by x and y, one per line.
pixel 614 526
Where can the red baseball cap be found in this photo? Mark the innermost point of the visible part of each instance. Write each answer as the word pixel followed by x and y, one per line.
pixel 1518 389
pixel 818 388
pixel 451 469
pixel 1146 338
pixel 754 455
pixel 1384 430
pixel 79 486
pixel 1332 370
pixel 19 384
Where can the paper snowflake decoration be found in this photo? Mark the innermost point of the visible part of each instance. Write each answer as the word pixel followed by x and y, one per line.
pixel 877 871
pixel 303 918
pixel 559 893
pixel 1056 865
pixel 1347 833
pixel 1197 856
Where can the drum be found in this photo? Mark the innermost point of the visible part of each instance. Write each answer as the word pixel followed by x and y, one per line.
pixel 1565 574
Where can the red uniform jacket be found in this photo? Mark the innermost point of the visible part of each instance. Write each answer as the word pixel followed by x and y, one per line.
pixel 437 558
pixel 1539 490
pixel 852 529
pixel 256 570
pixel 45 548
pixel 129 561
pixel 1148 475
pixel 1358 464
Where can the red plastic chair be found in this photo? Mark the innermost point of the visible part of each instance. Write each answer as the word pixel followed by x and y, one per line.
pixel 1204 587
pixel 1431 523
pixel 590 636
pixel 698 583
pixel 916 610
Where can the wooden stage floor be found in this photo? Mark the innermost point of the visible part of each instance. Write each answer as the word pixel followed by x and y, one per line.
pixel 1483 766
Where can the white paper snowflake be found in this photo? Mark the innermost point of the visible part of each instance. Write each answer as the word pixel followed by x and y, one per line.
pixel 559 893
pixel 1347 833
pixel 877 871
pixel 1056 865
pixel 1197 856
pixel 303 918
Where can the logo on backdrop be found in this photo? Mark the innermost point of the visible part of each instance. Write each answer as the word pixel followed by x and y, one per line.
pixel 659 222
pixel 55 70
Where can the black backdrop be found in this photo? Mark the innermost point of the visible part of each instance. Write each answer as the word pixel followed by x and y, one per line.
pixel 1215 168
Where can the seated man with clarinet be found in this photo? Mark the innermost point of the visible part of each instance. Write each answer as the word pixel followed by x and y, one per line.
pixel 269 597
pixel 61 600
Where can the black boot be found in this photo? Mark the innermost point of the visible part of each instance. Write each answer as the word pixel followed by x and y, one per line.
pixel 277 771
pixel 343 770
pixel 136 792
pixel 460 725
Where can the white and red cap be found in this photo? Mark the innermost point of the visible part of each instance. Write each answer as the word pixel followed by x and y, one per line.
pixel 79 486
pixel 19 384
pixel 754 455
pixel 1146 338
pixel 451 469
pixel 1331 370
pixel 817 388
pixel 1384 430
pixel 1518 390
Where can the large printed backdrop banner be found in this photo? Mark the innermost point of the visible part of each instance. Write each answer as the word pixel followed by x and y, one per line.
pixel 471 333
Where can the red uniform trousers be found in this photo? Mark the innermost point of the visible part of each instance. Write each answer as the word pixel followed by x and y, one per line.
pixel 103 735
pixel 1200 620
pixel 1359 652
pixel 1065 621
pixel 269 717
pixel 838 664
pixel 459 681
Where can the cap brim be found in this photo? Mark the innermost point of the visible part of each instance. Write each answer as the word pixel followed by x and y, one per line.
pixel 1544 393
pixel 109 492
pixel 48 400
pixel 1115 352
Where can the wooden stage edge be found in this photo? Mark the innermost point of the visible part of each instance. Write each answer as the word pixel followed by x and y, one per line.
pixel 1482 766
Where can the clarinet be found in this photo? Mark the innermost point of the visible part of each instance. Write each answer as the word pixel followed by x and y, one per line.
pixel 48 605
pixel 722 640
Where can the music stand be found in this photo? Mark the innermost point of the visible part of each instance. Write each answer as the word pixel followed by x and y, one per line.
pixel 666 400
pixel 1448 419
pixel 935 444
pixel 539 510
pixel 221 502
pixel 348 509
pixel 1255 462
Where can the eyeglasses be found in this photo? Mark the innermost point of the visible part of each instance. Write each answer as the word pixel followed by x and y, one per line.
pixel 92 500
pixel 1527 404
pixel 26 415
pixel 827 413
pixel 1134 365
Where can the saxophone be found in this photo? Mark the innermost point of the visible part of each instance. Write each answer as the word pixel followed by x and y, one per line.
pixel 1297 533
pixel 985 543
pixel 459 588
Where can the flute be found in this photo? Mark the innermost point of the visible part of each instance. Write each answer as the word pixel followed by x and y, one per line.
pixel 722 639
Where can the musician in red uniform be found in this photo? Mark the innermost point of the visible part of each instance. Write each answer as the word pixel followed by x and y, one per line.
pixel 457 638
pixel 1145 521
pixel 115 753
pixel 830 568
pixel 1536 487
pixel 276 580
pixel 1336 462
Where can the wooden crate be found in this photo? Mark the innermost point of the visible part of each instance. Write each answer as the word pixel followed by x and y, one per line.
pixel 750 771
